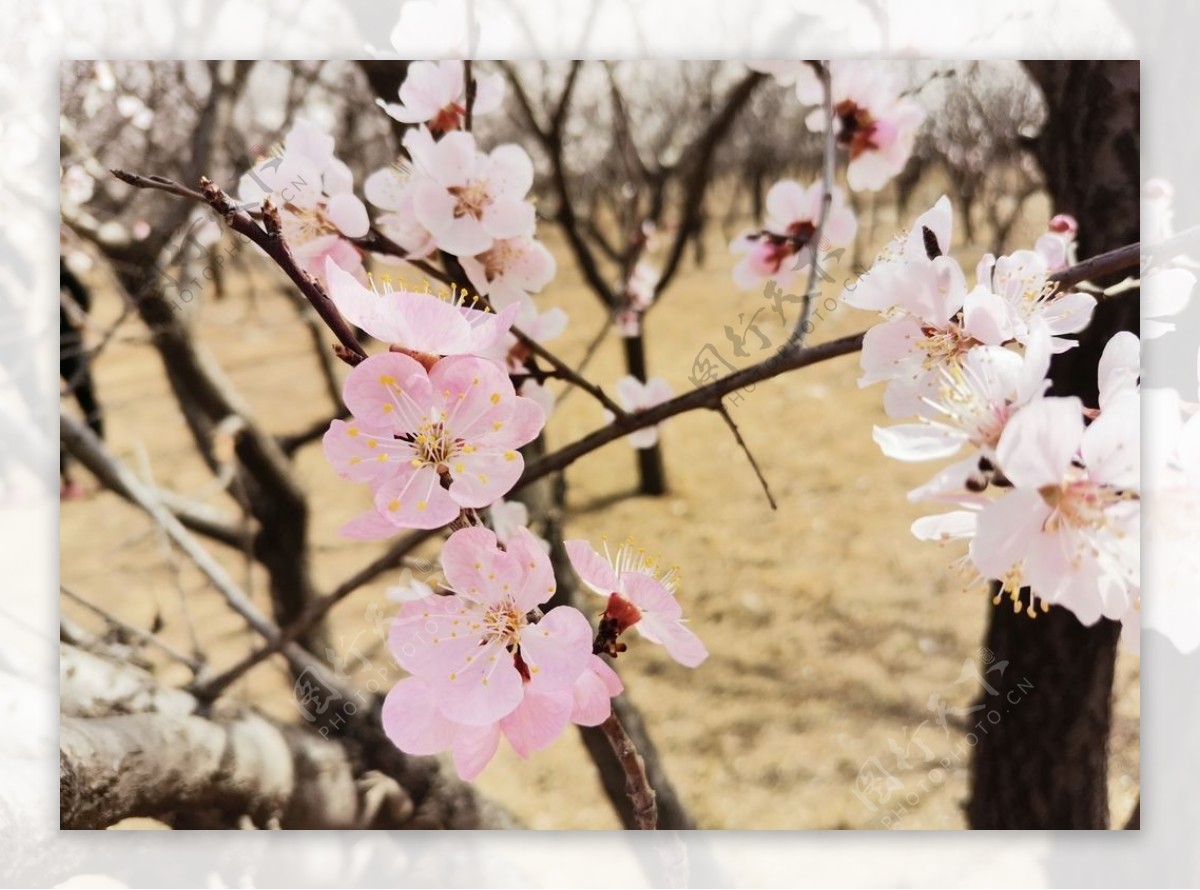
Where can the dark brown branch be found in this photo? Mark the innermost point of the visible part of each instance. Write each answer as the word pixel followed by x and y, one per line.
pixel 125 627
pixel 267 239
pixel 637 786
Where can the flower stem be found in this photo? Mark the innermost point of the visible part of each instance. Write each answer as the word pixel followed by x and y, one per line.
pixel 637 786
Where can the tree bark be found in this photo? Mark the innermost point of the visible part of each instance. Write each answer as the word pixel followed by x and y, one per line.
pixel 1045 764
pixel 130 747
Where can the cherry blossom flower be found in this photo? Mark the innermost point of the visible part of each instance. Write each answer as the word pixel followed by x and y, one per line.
pixel 640 594
pixel 391 189
pixel 429 442
pixel 1068 528
pixel 1022 280
pixel 486 662
pixel 541 327
pixel 784 246
pixel 1057 244
pixel 541 394
pixel 507 518
pixel 433 94
pixel 633 395
pixel 972 403
pixel 315 196
pixel 424 324
pixel 467 199
pixel 873 121
pixel 642 286
pixel 510 270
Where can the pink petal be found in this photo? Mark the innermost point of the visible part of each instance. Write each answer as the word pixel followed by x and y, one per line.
pixel 788 202
pixel 1111 445
pixel 476 393
pixel 593 693
pixel 346 449
pixel 530 553
pixel 433 206
pixel 537 721
pixel 509 219
pixel 649 594
pixel 433 636
pixel 1005 530
pixel 417 500
pixel 454 159
pixel 369 526
pixel 509 173
pixel 593 569
pixel 888 348
pixel 468 557
pixel 425 323
pixel 464 236
pixel 986 317
pixel 557 649
pixel 347 212
pixel 918 441
pixel 481 688
pixel 489 93
pixel 946 526
pixel 473 749
pixel 490 329
pixel 411 719
pixel 1040 441
pixel 388 391
pixel 485 476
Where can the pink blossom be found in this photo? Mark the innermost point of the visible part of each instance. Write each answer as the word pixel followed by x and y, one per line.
pixel 466 199
pixel 1022 280
pixel 1057 245
pixel 511 269
pixel 873 121
pixel 541 327
pixel 639 595
pixel 421 323
pixel 433 94
pixel 633 396
pixel 391 189
pixel 486 662
pixel 314 193
pixel 642 286
pixel 429 442
pixel 972 402
pixel 784 246
pixel 1068 528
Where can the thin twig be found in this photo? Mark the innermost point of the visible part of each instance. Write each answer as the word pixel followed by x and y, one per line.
pixel 810 293
pixel 469 111
pixel 737 434
pixel 637 786
pixel 195 665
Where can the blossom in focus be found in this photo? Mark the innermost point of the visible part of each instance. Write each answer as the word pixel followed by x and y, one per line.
pixel 511 269
pixel 1022 280
pixel 1069 527
pixel 485 661
pixel 784 246
pixel 639 594
pixel 429 442
pixel 872 120
pixel 433 93
pixel 417 322
pixel 633 396
pixel 466 199
pixel 971 403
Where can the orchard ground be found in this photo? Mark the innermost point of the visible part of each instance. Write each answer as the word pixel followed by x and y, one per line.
pixel 833 632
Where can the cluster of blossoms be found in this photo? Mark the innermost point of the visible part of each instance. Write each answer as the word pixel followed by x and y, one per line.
pixel 874 122
pixel 485 661
pixel 1049 497
pixel 314 192
pixel 437 426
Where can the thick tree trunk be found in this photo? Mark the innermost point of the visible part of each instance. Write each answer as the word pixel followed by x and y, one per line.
pixel 652 477
pixel 129 747
pixel 1045 763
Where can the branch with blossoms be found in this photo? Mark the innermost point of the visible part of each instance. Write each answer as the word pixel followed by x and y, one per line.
pixel 439 419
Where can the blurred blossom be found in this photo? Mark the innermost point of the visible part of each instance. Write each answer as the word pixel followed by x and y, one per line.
pixel 633 395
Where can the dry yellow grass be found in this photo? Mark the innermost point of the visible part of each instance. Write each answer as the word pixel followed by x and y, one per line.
pixel 829 626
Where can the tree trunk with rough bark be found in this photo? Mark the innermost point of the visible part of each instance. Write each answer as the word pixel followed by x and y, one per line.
pixel 1045 764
